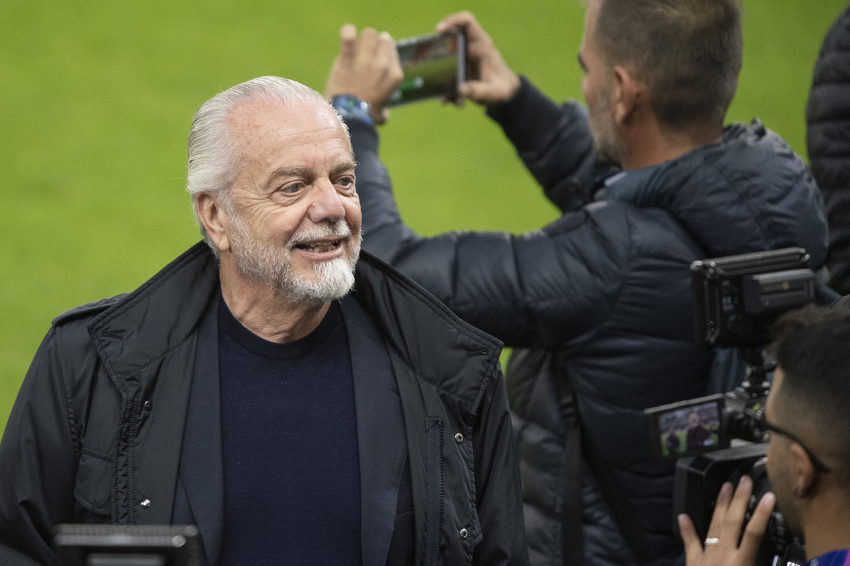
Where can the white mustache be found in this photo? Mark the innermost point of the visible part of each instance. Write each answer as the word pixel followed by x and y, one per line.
pixel 338 229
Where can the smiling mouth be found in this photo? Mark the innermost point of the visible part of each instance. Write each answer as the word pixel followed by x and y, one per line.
pixel 319 247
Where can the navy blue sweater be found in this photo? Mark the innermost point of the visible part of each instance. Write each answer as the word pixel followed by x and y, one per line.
pixel 289 435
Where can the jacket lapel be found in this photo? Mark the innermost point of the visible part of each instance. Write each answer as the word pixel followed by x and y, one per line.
pixel 201 467
pixel 380 432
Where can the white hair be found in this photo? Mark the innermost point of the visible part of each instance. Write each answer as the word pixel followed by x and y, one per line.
pixel 215 157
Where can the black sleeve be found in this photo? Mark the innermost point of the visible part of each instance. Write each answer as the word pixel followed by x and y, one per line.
pixel 37 461
pixel 497 483
pixel 828 144
pixel 554 142
pixel 535 289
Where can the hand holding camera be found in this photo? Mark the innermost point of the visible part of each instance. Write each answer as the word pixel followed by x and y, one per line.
pixel 721 544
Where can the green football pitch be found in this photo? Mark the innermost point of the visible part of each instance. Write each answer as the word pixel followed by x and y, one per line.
pixel 96 100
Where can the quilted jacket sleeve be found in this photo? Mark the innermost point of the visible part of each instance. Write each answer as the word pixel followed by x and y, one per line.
pixel 535 289
pixel 38 460
pixel 828 143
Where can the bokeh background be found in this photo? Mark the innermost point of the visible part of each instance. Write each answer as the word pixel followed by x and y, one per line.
pixel 96 99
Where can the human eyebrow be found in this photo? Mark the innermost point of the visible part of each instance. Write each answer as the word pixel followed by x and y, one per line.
pixel 343 167
pixel 290 172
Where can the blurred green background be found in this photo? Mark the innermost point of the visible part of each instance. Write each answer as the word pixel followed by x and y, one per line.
pixel 96 99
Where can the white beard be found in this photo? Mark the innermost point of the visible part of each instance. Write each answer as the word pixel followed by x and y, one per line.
pixel 271 263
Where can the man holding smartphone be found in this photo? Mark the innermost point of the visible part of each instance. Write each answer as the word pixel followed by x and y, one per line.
pixel 597 304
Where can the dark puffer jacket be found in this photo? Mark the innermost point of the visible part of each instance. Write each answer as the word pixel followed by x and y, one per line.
pixel 606 287
pixel 828 141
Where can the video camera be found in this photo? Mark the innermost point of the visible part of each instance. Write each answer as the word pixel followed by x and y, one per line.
pixel 721 437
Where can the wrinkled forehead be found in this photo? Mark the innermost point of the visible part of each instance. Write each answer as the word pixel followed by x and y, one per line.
pixel 259 119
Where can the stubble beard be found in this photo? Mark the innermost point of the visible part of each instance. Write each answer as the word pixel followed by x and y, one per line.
pixel 271 263
pixel 606 146
pixel 786 502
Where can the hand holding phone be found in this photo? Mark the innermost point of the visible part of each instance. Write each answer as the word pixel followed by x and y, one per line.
pixel 366 67
pixel 489 80
pixel 434 66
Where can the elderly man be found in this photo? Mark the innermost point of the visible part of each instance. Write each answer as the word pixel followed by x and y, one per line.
pixel 243 389
pixel 599 301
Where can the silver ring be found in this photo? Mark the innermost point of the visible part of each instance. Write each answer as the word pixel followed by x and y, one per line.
pixel 712 540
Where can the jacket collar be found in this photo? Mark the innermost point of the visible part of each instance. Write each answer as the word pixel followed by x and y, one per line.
pixel 750 192
pixel 157 317
pixel 416 325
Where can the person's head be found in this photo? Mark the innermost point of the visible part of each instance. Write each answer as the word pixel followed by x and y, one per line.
pixel 809 399
pixel 271 175
pixel 693 420
pixel 686 53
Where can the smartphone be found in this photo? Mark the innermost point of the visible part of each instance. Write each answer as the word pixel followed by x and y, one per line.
pixel 434 66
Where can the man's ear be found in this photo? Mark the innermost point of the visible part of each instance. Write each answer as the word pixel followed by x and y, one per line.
pixel 803 472
pixel 625 93
pixel 214 218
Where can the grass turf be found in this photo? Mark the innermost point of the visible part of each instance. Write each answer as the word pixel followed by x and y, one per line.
pixel 96 100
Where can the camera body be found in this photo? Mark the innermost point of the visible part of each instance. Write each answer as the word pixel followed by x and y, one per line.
pixel 736 299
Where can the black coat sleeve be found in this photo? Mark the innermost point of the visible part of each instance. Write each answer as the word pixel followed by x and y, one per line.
pixel 38 460
pixel 535 289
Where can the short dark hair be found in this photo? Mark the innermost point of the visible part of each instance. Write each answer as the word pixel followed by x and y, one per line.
pixel 812 346
pixel 688 52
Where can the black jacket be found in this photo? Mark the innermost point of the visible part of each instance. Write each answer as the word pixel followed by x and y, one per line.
pixel 828 143
pixel 606 287
pixel 111 415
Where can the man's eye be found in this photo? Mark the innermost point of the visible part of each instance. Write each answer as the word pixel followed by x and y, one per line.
pixel 346 182
pixel 293 188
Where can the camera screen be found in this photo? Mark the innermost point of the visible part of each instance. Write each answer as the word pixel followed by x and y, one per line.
pixel 686 428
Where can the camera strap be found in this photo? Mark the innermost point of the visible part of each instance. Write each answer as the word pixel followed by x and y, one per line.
pixel 572 537
pixel 578 444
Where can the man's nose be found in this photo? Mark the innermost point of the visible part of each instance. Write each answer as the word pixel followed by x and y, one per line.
pixel 327 203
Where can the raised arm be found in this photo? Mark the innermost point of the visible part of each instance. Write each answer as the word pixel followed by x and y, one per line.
pixel 553 141
pixel 554 282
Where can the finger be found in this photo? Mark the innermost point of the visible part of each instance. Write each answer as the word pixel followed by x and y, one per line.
pixel 693 547
pixel 369 44
pixel 756 528
pixel 720 507
pixel 463 20
pixel 386 47
pixel 734 517
pixel 475 90
pixel 348 41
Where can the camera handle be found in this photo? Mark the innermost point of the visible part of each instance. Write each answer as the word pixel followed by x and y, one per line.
pixel 755 384
pixel 746 402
